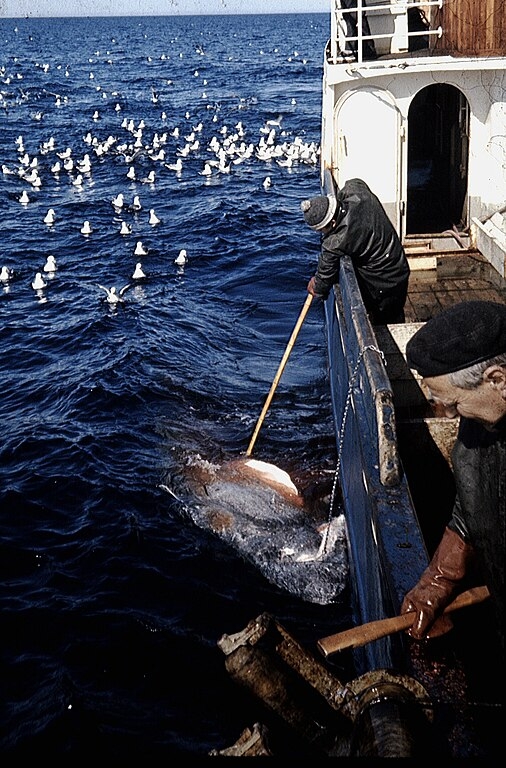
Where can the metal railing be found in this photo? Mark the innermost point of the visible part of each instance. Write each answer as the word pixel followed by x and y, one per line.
pixel 361 30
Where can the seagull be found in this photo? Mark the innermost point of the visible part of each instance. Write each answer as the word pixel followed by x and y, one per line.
pixel 150 178
pixel 206 171
pixel 181 257
pixel 177 166
pixel 131 173
pixel 86 228
pixel 139 249
pixel 138 272
pixel 267 182
pixel 5 274
pixel 118 201
pixel 125 228
pixel 136 204
pixel 23 198
pixel 275 122
pixel 114 296
pixel 50 265
pixel 85 165
pixel 153 218
pixel 38 283
pixel 49 217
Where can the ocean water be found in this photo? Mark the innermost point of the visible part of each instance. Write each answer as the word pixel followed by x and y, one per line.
pixel 112 599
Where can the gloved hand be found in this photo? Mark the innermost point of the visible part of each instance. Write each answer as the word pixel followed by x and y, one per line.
pixel 437 586
pixel 312 289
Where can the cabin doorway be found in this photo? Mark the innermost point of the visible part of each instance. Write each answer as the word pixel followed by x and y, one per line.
pixel 438 149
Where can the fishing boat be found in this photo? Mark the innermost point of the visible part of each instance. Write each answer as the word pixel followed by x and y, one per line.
pixel 413 103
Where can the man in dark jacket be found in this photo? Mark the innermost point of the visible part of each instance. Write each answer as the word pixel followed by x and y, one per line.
pixel 354 225
pixel 461 355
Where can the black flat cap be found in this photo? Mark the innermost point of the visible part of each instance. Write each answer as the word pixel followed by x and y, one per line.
pixel 466 334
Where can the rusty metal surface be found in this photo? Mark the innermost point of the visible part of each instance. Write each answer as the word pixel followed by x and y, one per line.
pixel 318 709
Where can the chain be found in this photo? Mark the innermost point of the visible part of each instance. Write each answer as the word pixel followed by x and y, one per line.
pixel 340 442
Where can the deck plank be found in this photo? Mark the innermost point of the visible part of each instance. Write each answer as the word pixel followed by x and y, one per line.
pixel 455 279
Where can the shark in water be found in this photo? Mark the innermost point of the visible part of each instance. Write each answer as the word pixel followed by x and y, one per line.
pixel 256 508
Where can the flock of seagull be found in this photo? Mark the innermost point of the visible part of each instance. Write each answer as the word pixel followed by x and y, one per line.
pixel 177 151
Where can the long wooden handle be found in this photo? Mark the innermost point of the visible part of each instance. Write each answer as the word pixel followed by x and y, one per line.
pixel 280 371
pixel 357 636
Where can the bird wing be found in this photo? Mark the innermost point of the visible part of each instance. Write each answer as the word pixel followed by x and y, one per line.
pixel 103 288
pixel 125 287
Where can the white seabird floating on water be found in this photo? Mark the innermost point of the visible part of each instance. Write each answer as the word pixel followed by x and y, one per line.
pixel 38 283
pixel 49 218
pixel 138 272
pixel 86 228
pixel 118 201
pixel 114 296
pixel 181 258
pixel 150 178
pixel 140 250
pixel 207 170
pixel 5 274
pixel 177 166
pixel 50 265
pixel 153 218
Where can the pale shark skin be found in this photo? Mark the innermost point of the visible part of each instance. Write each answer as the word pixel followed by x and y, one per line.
pixel 270 474
pixel 256 508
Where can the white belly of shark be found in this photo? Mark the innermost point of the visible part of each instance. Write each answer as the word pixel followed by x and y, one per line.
pixel 256 508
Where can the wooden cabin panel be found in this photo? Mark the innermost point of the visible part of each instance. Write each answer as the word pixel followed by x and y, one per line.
pixel 471 27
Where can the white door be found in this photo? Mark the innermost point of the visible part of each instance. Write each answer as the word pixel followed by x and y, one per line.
pixel 368 146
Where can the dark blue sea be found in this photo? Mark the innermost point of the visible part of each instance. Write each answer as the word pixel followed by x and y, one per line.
pixel 112 599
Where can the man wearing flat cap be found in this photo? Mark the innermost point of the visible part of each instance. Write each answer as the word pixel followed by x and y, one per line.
pixel 461 356
pixel 353 224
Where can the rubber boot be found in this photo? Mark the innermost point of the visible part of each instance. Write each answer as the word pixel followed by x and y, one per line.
pixel 437 587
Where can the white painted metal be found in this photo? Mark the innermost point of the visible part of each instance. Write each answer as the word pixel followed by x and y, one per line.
pixel 365 125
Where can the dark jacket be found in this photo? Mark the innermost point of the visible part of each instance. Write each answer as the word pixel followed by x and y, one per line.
pixel 364 233
pixel 479 465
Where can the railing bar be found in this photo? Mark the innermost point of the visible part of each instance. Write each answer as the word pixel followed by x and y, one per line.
pixel 392 34
pixel 400 7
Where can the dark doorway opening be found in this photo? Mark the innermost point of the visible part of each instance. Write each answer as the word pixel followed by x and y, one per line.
pixel 438 136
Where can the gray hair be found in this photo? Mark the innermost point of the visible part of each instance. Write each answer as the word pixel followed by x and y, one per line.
pixel 472 377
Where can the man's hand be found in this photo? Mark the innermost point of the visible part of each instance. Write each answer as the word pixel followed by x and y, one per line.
pixel 312 290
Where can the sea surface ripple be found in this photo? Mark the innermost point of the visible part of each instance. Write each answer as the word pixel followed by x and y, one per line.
pixel 112 601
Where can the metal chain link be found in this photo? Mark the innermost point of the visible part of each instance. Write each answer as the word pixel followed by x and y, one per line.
pixel 351 384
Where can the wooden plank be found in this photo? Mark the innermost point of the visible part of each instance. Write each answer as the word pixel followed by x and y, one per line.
pixel 472 28
pixel 422 262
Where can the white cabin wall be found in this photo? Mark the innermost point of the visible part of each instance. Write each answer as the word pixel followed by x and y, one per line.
pixel 482 84
pixel 487 161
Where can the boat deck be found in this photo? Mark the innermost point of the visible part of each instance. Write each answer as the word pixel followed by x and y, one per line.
pixel 439 281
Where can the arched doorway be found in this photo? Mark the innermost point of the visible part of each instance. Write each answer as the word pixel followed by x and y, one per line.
pixel 438 148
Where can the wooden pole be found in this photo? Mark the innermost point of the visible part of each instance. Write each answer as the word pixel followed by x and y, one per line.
pixel 280 371
pixel 373 630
